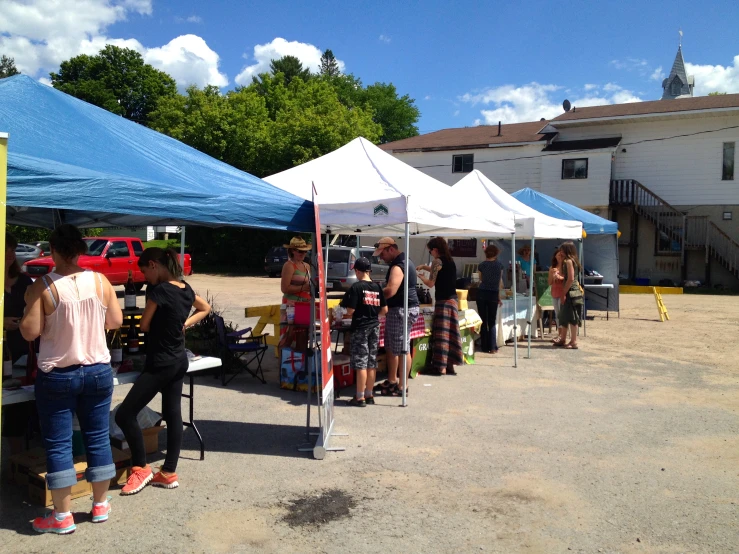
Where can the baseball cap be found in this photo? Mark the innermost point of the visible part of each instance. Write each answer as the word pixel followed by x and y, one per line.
pixel 363 264
pixel 383 243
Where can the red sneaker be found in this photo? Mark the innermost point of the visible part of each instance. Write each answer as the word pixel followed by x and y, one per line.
pixel 50 524
pixel 165 480
pixel 140 477
pixel 100 513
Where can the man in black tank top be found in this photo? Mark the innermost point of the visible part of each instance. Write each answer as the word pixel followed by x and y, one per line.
pixel 400 267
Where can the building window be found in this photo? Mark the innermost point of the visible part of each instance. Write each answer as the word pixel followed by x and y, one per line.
pixel 728 168
pixel 575 169
pixel 462 163
pixel 677 87
pixel 727 216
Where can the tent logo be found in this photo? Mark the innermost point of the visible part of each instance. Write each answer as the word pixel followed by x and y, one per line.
pixel 381 210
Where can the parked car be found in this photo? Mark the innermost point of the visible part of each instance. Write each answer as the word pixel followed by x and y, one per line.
pixel 111 256
pixel 26 252
pixel 274 260
pixel 341 260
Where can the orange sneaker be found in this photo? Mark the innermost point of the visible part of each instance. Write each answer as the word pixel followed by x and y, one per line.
pixel 50 524
pixel 165 480
pixel 140 477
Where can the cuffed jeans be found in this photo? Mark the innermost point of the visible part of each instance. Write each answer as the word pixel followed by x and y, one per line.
pixel 86 390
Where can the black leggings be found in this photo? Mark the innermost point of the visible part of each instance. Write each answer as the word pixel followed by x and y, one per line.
pixel 168 381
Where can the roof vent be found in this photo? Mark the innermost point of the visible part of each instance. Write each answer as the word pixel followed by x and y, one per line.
pixel 499 128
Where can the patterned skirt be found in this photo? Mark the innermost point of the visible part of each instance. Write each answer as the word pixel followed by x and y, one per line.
pixel 445 337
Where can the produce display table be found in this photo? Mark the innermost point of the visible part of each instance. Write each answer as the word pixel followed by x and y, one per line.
pixel 26 394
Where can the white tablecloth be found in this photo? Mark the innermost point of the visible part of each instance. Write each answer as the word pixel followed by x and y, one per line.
pixel 506 318
pixel 26 394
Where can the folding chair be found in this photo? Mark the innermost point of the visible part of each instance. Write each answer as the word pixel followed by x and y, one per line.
pixel 242 348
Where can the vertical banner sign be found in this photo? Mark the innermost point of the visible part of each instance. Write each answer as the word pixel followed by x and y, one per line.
pixel 327 370
pixel 3 197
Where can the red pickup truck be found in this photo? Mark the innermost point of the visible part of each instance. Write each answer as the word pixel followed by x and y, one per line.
pixel 111 256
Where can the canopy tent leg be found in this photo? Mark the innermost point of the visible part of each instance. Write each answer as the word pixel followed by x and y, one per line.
pixel 582 281
pixel 532 328
pixel 515 308
pixel 404 379
pixel 182 247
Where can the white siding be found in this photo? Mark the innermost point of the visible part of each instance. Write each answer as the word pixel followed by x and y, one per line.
pixel 590 192
pixel 511 168
pixel 684 170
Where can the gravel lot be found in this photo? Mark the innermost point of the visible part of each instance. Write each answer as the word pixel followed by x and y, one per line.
pixel 630 444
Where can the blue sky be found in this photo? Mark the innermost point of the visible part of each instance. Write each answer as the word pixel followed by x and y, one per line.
pixel 465 63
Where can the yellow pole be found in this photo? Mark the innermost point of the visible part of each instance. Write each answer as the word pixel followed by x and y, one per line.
pixel 3 198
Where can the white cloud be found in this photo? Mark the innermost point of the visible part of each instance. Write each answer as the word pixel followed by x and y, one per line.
pixel 384 38
pixel 309 56
pixel 533 101
pixel 40 34
pixel 427 97
pixel 191 19
pixel 658 74
pixel 189 60
pixel 712 78
pixel 631 64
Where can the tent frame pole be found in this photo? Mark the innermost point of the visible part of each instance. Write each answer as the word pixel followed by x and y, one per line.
pixel 404 378
pixel 531 314
pixel 182 246
pixel 515 305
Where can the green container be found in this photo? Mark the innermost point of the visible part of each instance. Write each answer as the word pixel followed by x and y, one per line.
pixel 468 345
pixel 421 355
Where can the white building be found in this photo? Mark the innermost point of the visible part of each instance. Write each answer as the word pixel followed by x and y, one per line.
pixel 664 170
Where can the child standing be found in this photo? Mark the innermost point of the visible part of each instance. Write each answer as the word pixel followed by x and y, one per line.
pixel 168 305
pixel 365 302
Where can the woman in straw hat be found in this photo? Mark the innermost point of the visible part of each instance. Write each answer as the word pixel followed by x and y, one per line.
pixel 295 284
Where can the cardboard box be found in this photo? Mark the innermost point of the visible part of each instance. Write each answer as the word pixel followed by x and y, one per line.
pixel 22 463
pixel 151 440
pixel 40 495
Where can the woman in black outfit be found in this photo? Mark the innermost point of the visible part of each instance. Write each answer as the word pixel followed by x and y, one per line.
pixel 15 417
pixel 488 297
pixel 445 336
pixel 168 305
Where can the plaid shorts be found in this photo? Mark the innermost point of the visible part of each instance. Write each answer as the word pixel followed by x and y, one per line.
pixel 364 348
pixel 394 329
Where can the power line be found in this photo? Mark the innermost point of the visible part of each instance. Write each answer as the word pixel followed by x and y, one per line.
pixel 587 150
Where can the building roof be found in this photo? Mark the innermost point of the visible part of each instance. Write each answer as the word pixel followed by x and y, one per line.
pixel 482 136
pixel 589 144
pixel 699 103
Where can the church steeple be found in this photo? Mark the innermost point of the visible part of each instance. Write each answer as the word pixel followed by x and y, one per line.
pixel 678 84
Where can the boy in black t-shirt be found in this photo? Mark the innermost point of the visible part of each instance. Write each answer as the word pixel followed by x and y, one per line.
pixel 365 302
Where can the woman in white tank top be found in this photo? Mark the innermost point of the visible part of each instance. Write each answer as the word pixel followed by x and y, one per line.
pixel 70 309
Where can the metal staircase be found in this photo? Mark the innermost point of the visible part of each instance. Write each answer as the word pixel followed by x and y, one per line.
pixel 677 232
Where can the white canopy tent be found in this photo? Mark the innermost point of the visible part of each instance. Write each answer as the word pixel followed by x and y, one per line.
pixel 364 190
pixel 530 224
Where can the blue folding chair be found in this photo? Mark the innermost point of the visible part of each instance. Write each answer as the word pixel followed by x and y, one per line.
pixel 243 348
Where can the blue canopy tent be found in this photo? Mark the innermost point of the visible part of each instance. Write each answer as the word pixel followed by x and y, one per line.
pixel 600 246
pixel 72 162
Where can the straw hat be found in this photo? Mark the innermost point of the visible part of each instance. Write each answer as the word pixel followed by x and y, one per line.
pixel 297 243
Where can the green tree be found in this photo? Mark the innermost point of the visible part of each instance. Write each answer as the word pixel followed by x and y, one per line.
pixel 230 128
pixel 290 67
pixel 7 67
pixel 717 93
pixel 116 79
pixel 329 65
pixel 397 115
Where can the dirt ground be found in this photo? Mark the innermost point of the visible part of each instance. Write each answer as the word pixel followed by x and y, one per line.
pixel 630 444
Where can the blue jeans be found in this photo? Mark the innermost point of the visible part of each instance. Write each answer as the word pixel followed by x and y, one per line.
pixel 487 309
pixel 86 390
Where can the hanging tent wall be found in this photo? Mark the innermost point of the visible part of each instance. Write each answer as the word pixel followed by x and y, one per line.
pixel 530 224
pixel 71 161
pixel 600 246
